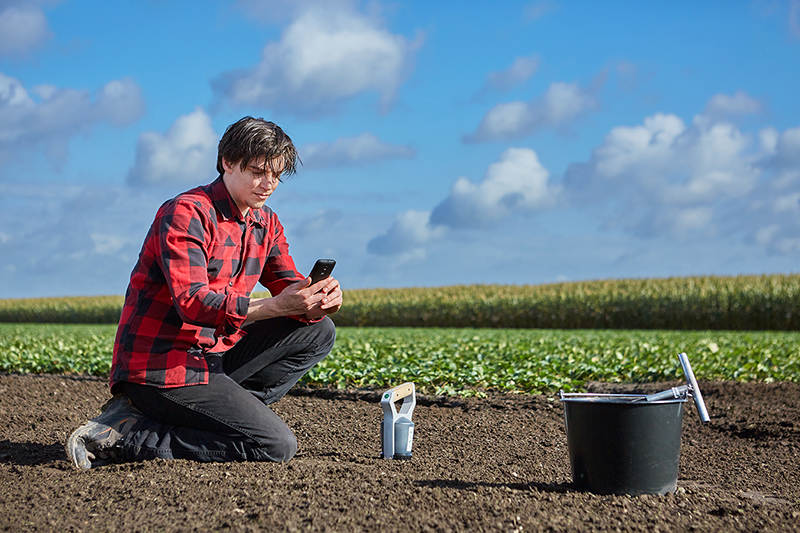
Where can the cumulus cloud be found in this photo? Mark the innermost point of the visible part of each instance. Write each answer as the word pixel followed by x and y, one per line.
pixel 519 72
pixel 329 53
pixel 87 244
pixel 23 28
pixel 665 177
pixel 186 153
pixel 786 154
pixel 689 183
pixel 665 158
pixel 319 223
pixel 516 183
pixel 561 104
pixel 47 116
pixel 120 102
pixel 364 148
pixel 739 103
pixel 407 237
pixel 776 207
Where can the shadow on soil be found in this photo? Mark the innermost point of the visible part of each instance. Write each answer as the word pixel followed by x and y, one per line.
pixel 754 431
pixel 30 453
pixel 560 488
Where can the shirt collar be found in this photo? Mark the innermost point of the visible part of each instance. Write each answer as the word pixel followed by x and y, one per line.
pixel 224 204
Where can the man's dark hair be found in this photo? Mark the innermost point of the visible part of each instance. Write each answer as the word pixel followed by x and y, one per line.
pixel 252 138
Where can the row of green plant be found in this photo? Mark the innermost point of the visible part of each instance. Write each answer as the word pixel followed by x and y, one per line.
pixel 463 361
pixel 768 302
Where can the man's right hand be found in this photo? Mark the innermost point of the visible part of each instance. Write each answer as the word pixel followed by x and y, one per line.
pixel 296 299
pixel 300 297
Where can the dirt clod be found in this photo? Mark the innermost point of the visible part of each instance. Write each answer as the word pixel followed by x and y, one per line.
pixel 495 463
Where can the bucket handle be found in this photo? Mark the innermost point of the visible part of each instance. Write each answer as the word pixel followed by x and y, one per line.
pixel 670 394
pixel 694 388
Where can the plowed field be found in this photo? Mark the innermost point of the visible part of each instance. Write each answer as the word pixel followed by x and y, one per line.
pixel 495 463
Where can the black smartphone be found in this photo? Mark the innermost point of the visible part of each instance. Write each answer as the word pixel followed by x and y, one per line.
pixel 322 269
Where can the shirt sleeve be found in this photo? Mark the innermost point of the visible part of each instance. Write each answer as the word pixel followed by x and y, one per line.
pixel 279 269
pixel 181 254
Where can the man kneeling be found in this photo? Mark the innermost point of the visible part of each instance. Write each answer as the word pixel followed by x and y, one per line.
pixel 196 361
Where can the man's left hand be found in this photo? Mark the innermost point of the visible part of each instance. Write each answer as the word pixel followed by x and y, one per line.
pixel 330 303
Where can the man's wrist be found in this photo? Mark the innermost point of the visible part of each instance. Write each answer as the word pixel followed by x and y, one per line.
pixel 262 309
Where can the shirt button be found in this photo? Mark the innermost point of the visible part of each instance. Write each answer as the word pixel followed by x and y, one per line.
pixel 230 284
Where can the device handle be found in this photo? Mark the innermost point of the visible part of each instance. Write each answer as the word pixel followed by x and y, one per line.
pixel 398 393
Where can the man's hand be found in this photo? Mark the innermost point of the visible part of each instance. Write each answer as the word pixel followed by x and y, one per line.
pixel 331 300
pixel 300 298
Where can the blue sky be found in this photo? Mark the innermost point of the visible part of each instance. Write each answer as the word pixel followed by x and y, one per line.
pixel 443 142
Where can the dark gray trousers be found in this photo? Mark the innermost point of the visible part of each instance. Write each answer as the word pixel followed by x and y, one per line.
pixel 229 419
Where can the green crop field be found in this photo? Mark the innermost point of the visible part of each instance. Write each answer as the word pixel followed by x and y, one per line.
pixel 463 361
pixel 768 302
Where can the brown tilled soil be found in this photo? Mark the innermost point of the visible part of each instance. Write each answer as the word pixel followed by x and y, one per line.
pixel 497 463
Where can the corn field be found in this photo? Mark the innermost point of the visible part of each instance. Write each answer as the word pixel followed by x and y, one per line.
pixel 766 302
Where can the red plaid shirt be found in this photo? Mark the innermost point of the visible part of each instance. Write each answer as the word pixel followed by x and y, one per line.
pixel 190 290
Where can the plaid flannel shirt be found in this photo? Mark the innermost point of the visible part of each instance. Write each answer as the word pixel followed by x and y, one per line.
pixel 190 290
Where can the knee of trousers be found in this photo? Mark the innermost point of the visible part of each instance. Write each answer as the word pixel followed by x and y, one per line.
pixel 326 331
pixel 285 448
pixel 279 446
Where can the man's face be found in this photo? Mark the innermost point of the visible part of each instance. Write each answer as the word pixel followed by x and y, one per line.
pixel 251 187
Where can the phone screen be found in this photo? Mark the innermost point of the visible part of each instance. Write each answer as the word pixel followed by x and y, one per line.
pixel 322 269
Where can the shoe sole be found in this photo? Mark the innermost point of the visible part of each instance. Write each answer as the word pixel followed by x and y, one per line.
pixel 76 450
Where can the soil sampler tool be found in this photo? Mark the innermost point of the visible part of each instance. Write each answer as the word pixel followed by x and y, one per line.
pixel 629 443
pixel 397 429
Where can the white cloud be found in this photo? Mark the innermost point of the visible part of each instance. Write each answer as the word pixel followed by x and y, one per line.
pixel 788 203
pixel 47 116
pixel 407 237
pixel 782 155
pixel 22 29
pixel 327 55
pixel 561 104
pixel 787 148
pixel 768 137
pixel 120 102
pixel 692 219
pixel 363 148
pixel 520 71
pixel 665 159
pixel 105 243
pixel 186 153
pixel 100 229
pixel 775 208
pixel 516 183
pixel 319 223
pixel 666 178
pixel 739 103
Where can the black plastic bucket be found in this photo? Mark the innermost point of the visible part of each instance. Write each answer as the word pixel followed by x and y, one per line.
pixel 621 444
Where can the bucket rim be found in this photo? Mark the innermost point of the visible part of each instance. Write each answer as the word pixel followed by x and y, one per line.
pixel 624 399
